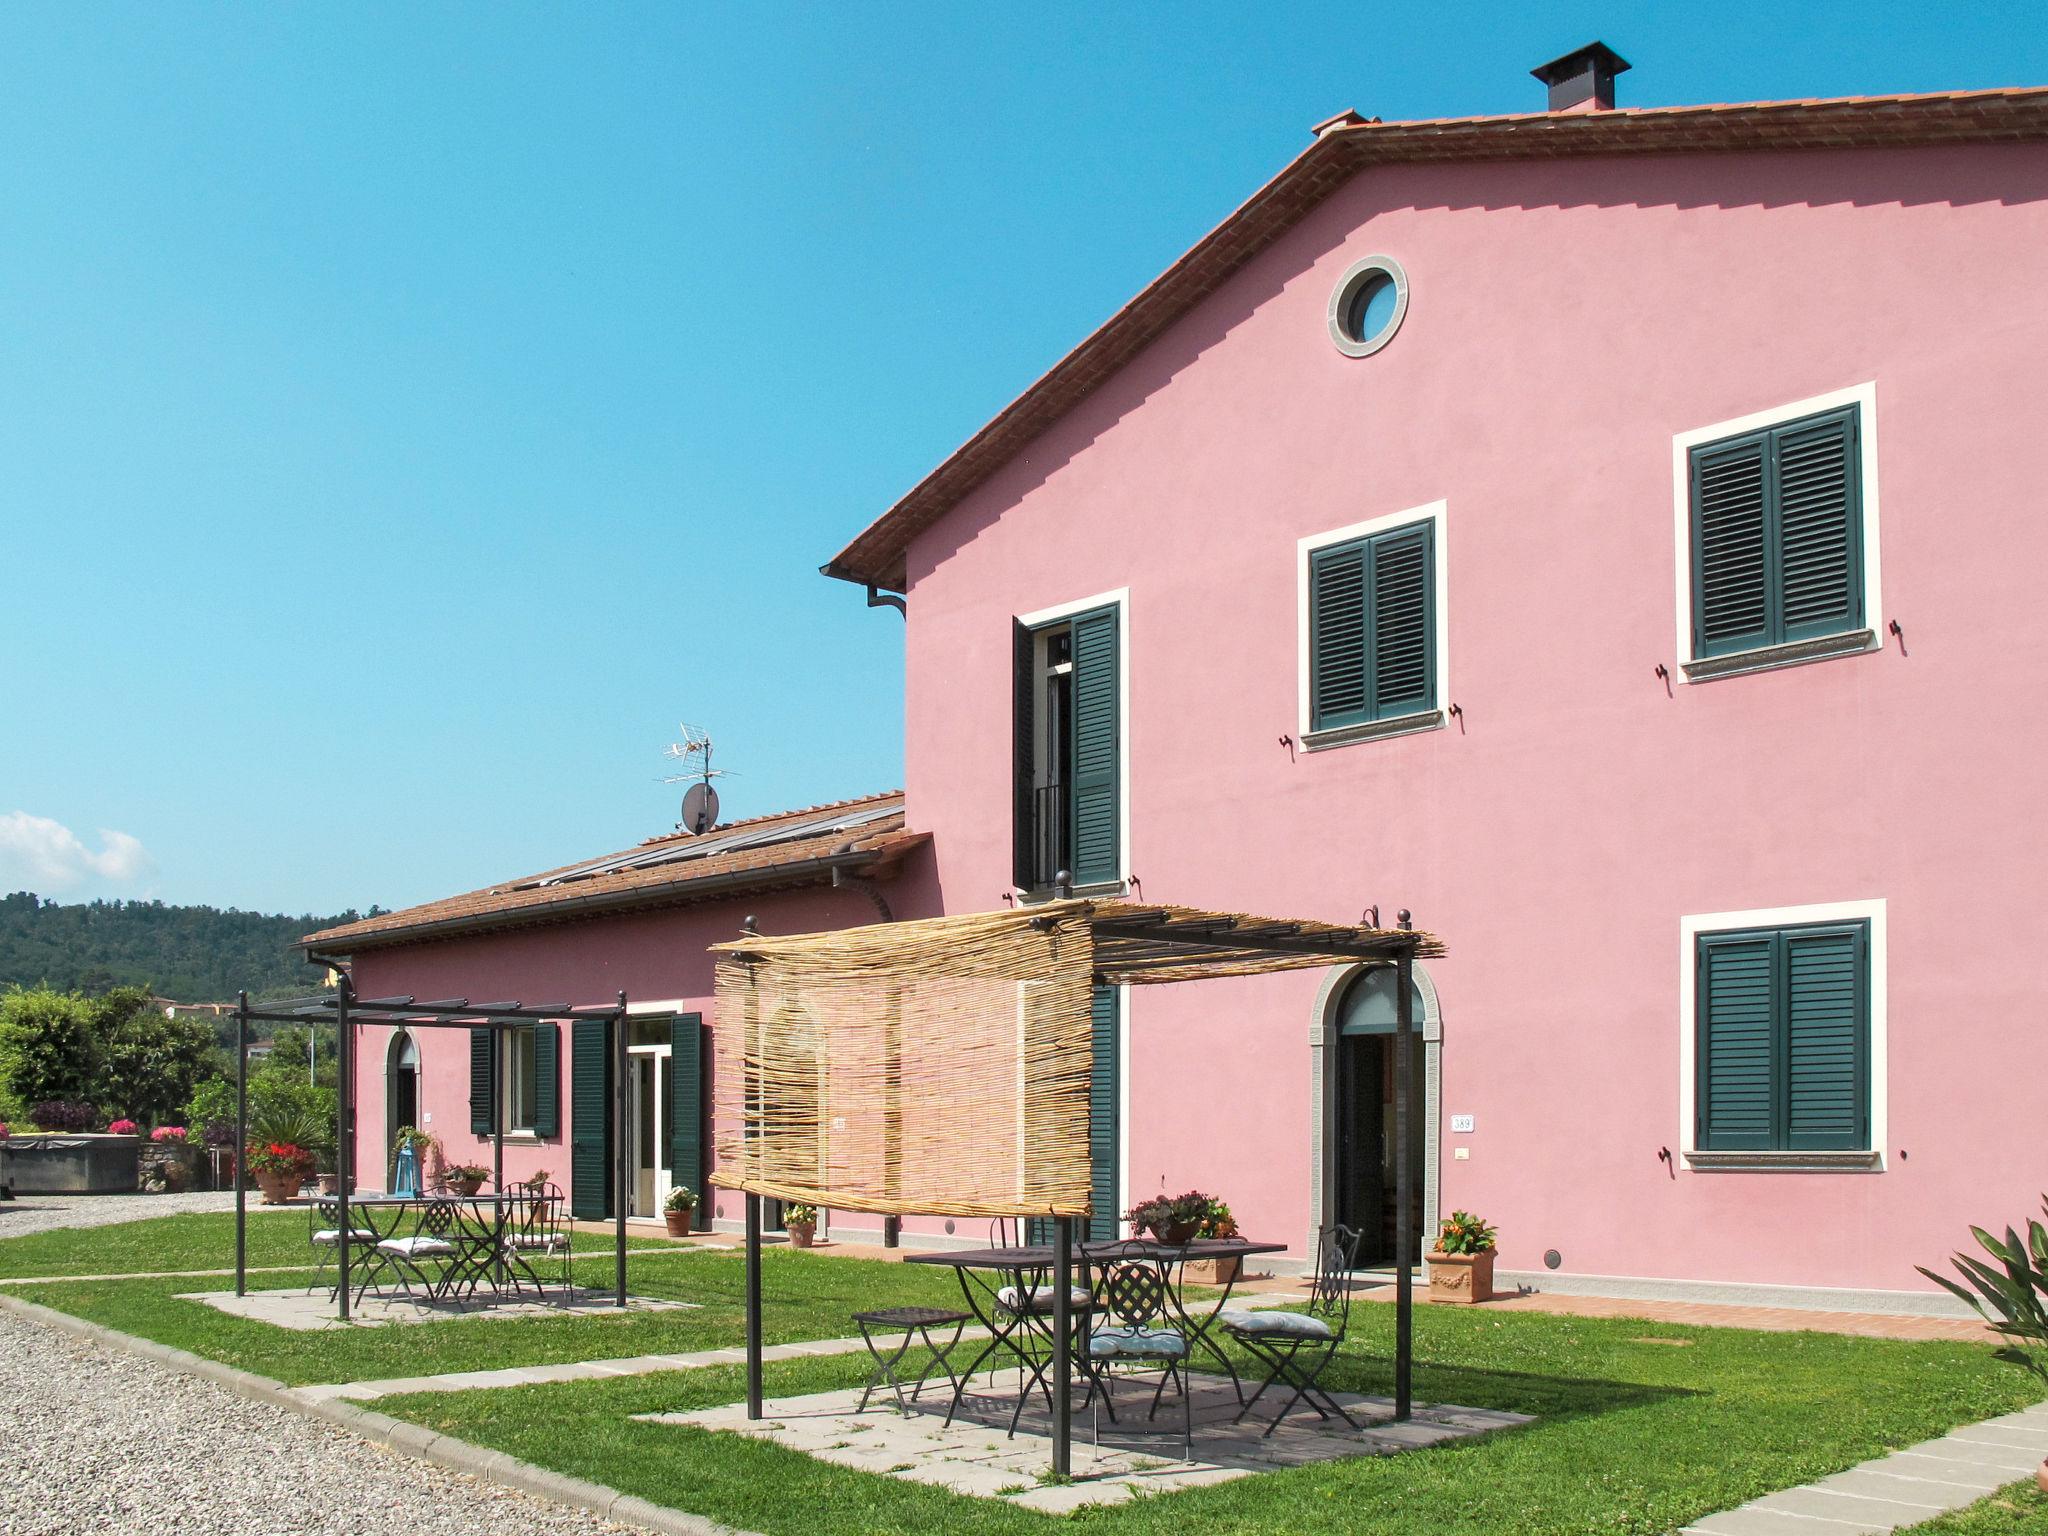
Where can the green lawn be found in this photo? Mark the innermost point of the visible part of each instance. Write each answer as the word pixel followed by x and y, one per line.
pixel 193 1241
pixel 1634 1436
pixel 1637 1431
pixel 2020 1510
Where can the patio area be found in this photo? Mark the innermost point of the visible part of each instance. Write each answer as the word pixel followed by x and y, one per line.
pixel 311 1311
pixel 976 1456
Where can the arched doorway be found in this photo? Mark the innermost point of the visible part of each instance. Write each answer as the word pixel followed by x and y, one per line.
pixel 1353 1086
pixel 401 1095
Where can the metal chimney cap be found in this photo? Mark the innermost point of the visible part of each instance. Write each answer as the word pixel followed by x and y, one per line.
pixel 1585 75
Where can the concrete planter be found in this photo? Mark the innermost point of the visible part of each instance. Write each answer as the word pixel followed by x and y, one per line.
pixel 72 1165
pixel 1461 1277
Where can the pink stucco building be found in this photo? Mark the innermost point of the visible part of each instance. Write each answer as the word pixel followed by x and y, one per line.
pixel 1606 534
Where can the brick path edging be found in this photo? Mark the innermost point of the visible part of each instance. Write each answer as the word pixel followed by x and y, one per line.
pixel 394 1435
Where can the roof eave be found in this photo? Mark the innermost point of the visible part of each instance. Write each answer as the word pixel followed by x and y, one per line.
pixel 668 893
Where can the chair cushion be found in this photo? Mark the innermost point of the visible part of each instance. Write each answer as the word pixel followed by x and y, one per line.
pixel 1275 1325
pixel 421 1247
pixel 1041 1298
pixel 536 1242
pixel 1116 1342
pixel 331 1238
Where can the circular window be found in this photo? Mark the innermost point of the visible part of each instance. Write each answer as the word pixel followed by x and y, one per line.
pixel 1368 306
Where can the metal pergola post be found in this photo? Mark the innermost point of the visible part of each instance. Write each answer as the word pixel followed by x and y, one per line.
pixel 753 1305
pixel 344 1138
pixel 621 1062
pixel 1404 1178
pixel 1063 1346
pixel 241 1148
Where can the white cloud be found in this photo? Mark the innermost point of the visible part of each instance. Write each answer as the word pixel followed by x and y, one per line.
pixel 47 857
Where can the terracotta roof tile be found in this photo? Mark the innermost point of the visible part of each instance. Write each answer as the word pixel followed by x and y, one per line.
pixel 1347 144
pixel 864 835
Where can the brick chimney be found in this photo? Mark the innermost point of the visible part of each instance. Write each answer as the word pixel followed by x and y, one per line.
pixel 1582 80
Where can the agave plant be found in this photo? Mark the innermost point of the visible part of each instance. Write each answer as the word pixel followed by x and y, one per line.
pixel 2012 1296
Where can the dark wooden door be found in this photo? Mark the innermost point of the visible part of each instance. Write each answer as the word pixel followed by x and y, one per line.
pixel 1365 1145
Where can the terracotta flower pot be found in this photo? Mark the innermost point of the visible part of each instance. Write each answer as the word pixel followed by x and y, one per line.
pixel 1211 1271
pixel 279 1185
pixel 1461 1277
pixel 465 1187
pixel 679 1222
pixel 802 1235
pixel 1177 1234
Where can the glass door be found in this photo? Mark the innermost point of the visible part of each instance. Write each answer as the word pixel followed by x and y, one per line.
pixel 647 1132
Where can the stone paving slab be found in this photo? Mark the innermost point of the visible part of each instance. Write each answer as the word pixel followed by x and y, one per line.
pixel 1902 1489
pixel 312 1311
pixel 976 1455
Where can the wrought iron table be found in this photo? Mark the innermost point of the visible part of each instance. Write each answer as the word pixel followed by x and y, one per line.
pixel 1026 1332
pixel 480 1242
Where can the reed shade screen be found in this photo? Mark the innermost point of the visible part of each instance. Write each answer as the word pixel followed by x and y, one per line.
pixel 942 1066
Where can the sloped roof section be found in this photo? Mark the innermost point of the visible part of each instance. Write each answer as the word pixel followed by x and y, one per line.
pixel 864 836
pixel 1347 144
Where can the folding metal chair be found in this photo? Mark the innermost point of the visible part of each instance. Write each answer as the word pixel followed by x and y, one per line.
pixel 1132 1324
pixel 1297 1347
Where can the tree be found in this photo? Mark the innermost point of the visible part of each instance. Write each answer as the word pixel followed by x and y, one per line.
pixel 47 1046
pixel 148 1064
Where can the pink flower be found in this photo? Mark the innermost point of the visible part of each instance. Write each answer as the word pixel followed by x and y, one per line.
pixel 168 1133
pixel 4 1131
pixel 122 1128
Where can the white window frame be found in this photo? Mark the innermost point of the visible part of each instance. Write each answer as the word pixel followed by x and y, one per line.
pixel 510 1081
pixel 1864 397
pixel 1437 515
pixel 1120 598
pixel 1690 928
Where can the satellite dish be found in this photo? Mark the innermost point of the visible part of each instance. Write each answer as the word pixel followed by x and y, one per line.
pixel 700 808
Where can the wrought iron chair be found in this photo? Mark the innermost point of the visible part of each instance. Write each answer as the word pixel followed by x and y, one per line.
pixel 537 1232
pixel 435 1239
pixel 324 1233
pixel 1133 1325
pixel 1297 1347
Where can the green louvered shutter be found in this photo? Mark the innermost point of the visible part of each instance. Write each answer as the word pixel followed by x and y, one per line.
pixel 1731 567
pixel 686 1110
pixel 1098 730
pixel 1337 639
pixel 1827 1038
pixel 1403 636
pixel 1372 628
pixel 481 1107
pixel 547 1081
pixel 590 1119
pixel 1102 1115
pixel 1024 804
pixel 1777 531
pixel 1819 526
pixel 1736 1026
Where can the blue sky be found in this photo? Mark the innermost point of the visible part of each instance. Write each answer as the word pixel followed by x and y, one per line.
pixel 410 413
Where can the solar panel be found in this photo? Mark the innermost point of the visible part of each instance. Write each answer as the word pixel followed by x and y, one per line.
pixel 684 850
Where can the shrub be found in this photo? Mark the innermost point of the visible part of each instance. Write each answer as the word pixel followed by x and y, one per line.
pixel 123 1128
pixel 148 1064
pixel 1464 1233
pixel 46 1043
pixel 64 1115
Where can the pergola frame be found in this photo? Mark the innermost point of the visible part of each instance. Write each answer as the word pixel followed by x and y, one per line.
pixel 1137 943
pixel 346 1013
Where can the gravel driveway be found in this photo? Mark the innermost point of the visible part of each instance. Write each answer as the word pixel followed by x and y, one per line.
pixel 101 1441
pixel 42 1213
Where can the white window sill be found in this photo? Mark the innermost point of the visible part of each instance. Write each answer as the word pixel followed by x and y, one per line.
pixel 1769 658
pixel 1114 889
pixel 522 1139
pixel 1372 730
pixel 1785 1162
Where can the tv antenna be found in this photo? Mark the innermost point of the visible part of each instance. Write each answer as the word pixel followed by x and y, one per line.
pixel 700 800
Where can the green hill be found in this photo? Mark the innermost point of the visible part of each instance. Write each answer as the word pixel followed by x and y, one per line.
pixel 192 954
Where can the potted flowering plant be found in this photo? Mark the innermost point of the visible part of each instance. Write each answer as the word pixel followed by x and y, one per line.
pixel 1175 1222
pixel 1461 1263
pixel 680 1208
pixel 1218 1224
pixel 801 1223
pixel 170 1154
pixel 280 1167
pixel 465 1178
